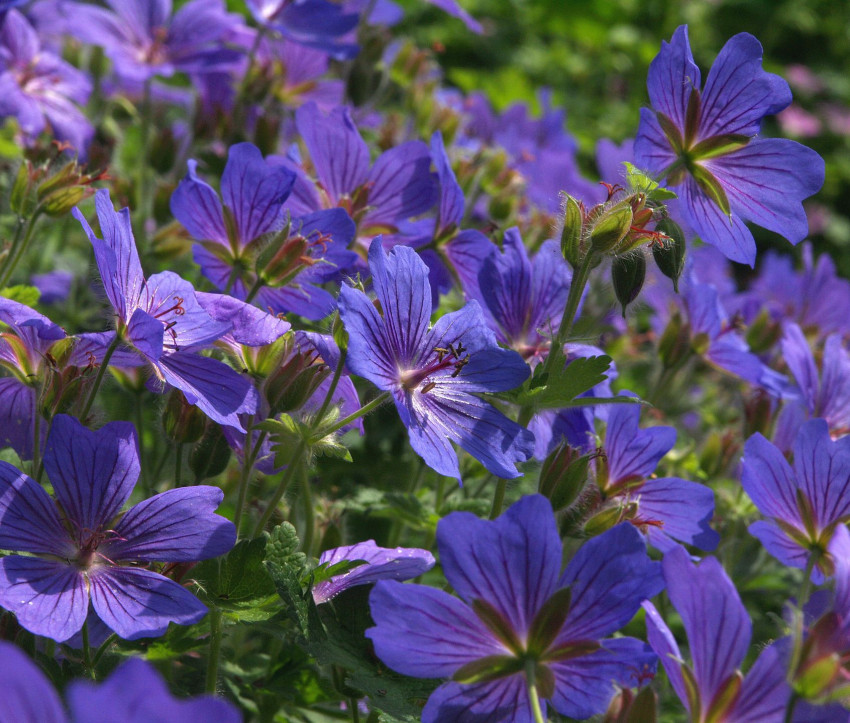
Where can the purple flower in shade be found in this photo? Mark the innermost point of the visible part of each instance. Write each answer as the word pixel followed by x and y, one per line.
pixel 517 613
pixel 453 8
pixel 379 196
pixel 610 158
pixel 39 88
pixel 434 374
pixel 318 24
pixel 703 142
pixel 162 320
pixel 713 335
pixel 133 693
pixel 665 508
pixel 37 352
pixel 377 563
pixel 814 297
pixel 231 234
pixel 541 149
pixel 804 503
pixel 718 628
pixel 825 395
pixel 54 286
pixel 143 39
pixel 82 551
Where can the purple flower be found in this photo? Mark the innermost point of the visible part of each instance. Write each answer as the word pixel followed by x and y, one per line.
pixel 39 88
pixel 712 686
pixel 522 299
pixel 162 320
pixel 136 693
pixel 434 373
pixel 133 693
pixel 712 333
pixel 378 563
pixel 38 352
pixel 54 286
pixel 143 39
pixel 804 503
pixel 317 24
pixel 233 233
pixel 379 196
pixel 80 550
pixel 814 297
pixel 519 613
pixel 703 142
pixel 662 508
pixel 825 395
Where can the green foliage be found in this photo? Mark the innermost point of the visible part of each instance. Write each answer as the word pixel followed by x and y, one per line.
pixel 21 293
pixel 558 391
pixel 339 640
pixel 239 583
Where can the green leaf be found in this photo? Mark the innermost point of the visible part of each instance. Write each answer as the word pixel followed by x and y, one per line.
pixel 561 389
pixel 638 180
pixel 239 583
pixel 27 295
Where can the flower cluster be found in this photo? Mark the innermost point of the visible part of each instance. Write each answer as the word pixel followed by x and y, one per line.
pixel 360 325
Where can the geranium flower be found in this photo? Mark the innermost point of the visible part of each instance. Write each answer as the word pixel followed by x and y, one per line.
pixel 379 196
pixel 81 549
pixel 254 190
pixel 378 563
pixel 703 142
pixel 39 88
pixel 144 40
pixel 519 617
pixel 804 503
pixel 719 630
pixel 665 508
pixel 825 395
pixel 318 24
pixel 163 321
pixel 434 374
pixel 133 693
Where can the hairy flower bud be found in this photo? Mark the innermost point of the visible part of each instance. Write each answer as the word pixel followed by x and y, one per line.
pixel 670 256
pixel 563 476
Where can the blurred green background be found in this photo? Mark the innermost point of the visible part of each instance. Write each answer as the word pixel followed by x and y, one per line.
pixel 594 55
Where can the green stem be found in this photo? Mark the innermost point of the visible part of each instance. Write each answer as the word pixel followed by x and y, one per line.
pixel 99 378
pixel 87 651
pixel 102 649
pixel 340 365
pixel 142 211
pixel 533 698
pixel 789 709
pixel 355 711
pixel 294 463
pixel 309 513
pixel 215 651
pixel 255 289
pixel 245 475
pixel 36 442
pixel 178 464
pixel 365 409
pixel 577 285
pixel 18 252
pixel 13 249
pixel 498 499
pixel 140 426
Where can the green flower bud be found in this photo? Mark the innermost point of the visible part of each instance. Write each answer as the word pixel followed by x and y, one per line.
pixel 611 228
pixel 675 342
pixel 209 457
pixel 571 232
pixel 603 520
pixel 563 476
pixel 182 422
pixel 628 274
pixel 670 256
